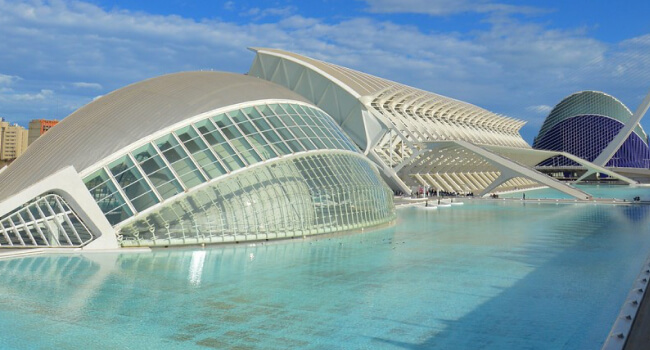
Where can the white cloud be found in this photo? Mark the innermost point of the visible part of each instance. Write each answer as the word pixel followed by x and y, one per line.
pixel 258 13
pixel 7 79
pixel 507 67
pixel 540 109
pixel 447 7
pixel 83 85
pixel 41 95
pixel 229 5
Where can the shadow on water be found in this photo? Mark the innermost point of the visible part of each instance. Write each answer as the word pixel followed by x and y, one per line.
pixel 572 295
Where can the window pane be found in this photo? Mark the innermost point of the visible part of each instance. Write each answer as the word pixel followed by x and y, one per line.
pixel 238 140
pixel 179 160
pixel 157 171
pixel 219 145
pixel 200 152
pixel 257 140
pixel 105 193
pixel 134 186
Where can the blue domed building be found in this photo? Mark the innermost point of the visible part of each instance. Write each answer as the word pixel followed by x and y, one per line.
pixel 583 124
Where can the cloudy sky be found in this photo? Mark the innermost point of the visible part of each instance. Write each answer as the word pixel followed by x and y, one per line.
pixel 514 58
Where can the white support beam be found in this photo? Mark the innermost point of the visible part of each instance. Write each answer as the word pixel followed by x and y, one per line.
pixel 622 135
pixel 444 183
pixel 510 169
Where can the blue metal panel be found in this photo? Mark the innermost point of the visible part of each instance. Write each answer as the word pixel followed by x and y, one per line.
pixel 586 136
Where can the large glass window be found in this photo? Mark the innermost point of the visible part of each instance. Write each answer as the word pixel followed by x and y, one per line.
pixel 105 193
pixel 213 147
pixel 305 195
pixel 200 152
pixel 219 144
pixel 180 161
pixel 45 221
pixel 157 172
pixel 236 138
pixel 129 178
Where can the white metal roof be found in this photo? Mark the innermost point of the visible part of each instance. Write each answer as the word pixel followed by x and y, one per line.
pixel 129 114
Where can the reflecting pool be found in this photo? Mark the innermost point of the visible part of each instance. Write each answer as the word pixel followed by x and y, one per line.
pixel 494 275
pixel 597 191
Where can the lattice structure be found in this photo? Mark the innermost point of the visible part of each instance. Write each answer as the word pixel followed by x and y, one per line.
pixel 47 221
pixel 213 155
pixel 420 116
pixel 208 149
pixel 401 128
pixel 584 123
pixel 586 136
pixel 301 196
pixel 589 103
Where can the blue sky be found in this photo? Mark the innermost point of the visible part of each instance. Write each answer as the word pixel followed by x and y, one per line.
pixel 513 58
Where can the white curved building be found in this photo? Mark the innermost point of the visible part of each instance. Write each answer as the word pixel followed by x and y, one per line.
pixel 190 158
pixel 416 137
pixel 207 157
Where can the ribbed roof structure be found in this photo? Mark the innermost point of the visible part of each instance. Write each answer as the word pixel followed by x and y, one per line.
pixel 116 120
pixel 417 137
pixel 421 115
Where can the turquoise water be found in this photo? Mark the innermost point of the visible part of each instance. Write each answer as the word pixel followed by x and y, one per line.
pixel 492 275
pixel 597 191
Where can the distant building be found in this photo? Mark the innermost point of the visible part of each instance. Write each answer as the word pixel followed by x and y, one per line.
pixel 13 140
pixel 583 124
pixel 38 127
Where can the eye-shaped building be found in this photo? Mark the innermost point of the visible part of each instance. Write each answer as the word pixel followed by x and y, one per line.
pixel 190 158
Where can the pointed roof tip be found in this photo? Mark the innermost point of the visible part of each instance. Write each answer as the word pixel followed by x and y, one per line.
pixel 276 50
pixel 257 48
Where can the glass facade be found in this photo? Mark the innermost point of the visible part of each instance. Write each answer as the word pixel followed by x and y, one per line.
pixel 321 188
pixel 306 195
pixel 46 221
pixel 206 150
pixel 586 136
pixel 588 103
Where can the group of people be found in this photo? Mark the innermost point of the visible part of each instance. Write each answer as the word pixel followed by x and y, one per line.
pixel 431 192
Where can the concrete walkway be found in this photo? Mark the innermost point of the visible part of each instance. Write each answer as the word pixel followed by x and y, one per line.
pixel 639 337
pixel 20 253
pixel 406 201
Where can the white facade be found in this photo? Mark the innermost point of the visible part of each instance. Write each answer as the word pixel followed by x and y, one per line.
pixel 418 138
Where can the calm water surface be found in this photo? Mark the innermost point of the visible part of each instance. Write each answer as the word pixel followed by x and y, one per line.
pixel 482 275
pixel 597 191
